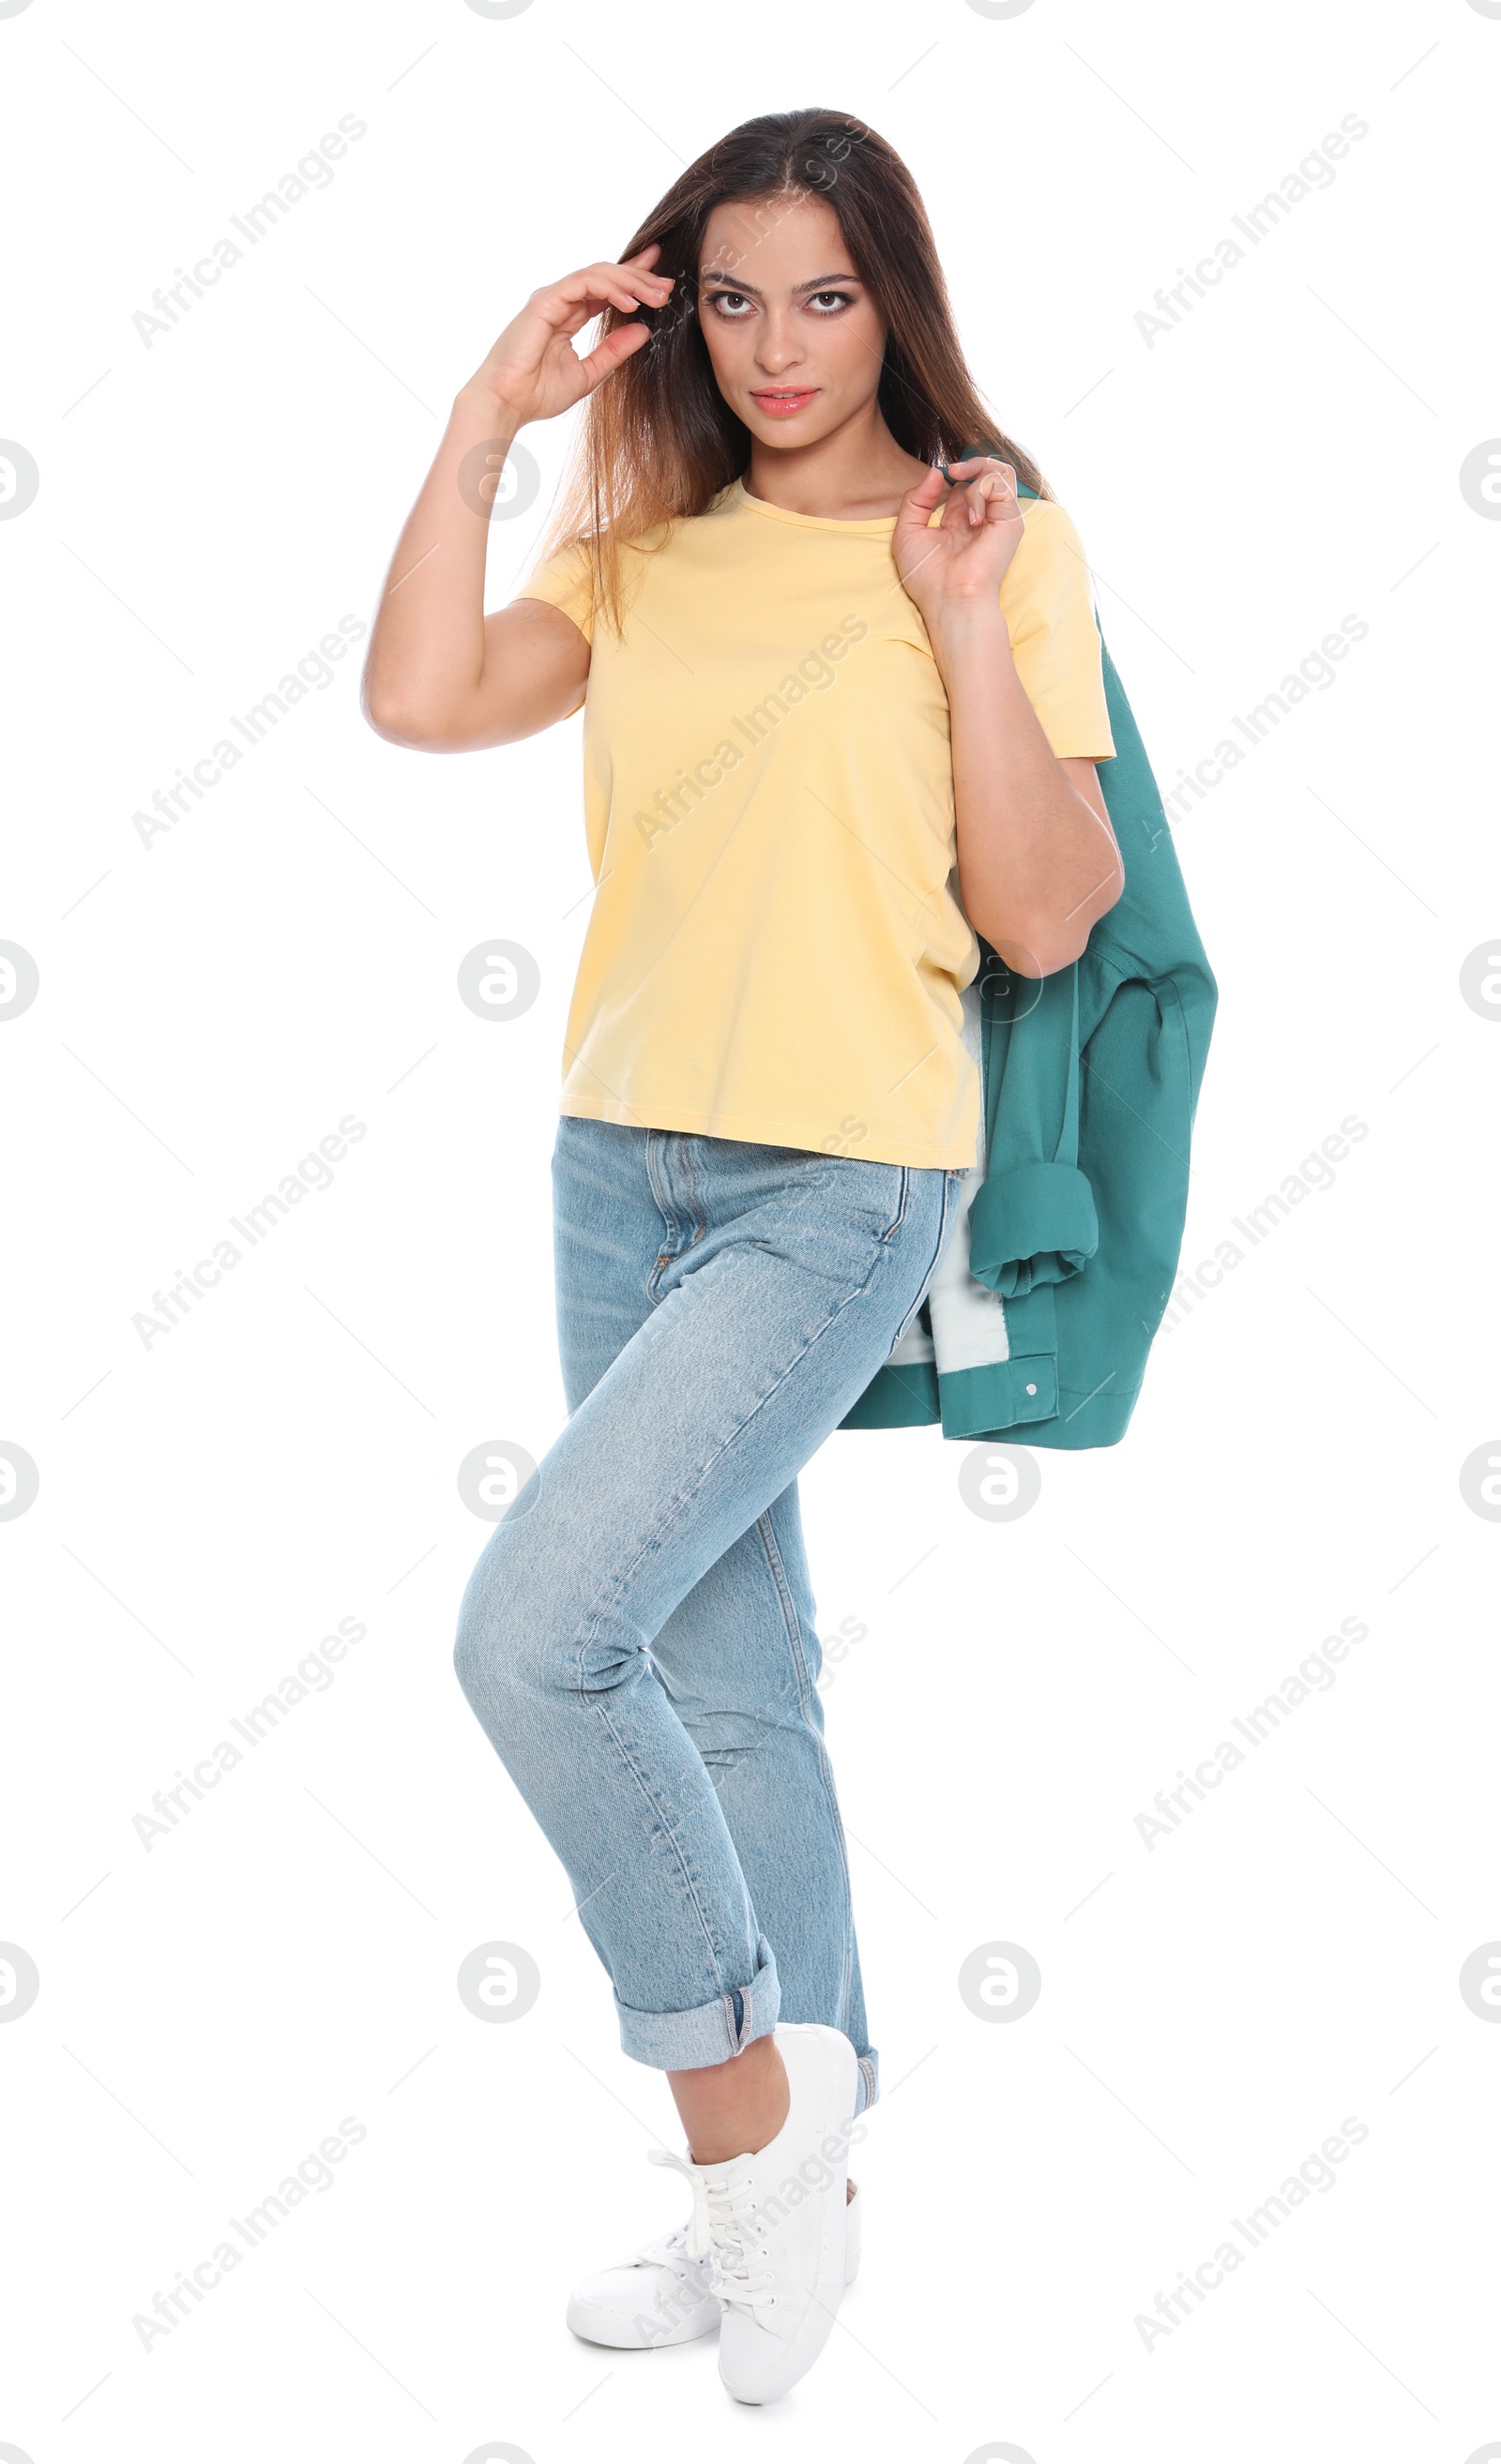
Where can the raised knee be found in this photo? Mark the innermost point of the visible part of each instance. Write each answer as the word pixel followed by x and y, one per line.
pixel 489 1651
pixel 527 1633
pixel 474 1657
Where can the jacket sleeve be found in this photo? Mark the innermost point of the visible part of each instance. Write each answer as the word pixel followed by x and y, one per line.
pixel 1032 1220
pixel 1034 1223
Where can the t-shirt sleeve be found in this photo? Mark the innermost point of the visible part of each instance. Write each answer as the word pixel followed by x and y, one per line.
pixel 1049 606
pixel 565 582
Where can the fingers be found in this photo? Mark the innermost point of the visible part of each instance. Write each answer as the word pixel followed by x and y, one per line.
pixel 603 285
pixel 926 494
pixel 980 469
pixel 603 361
pixel 985 488
pixel 917 506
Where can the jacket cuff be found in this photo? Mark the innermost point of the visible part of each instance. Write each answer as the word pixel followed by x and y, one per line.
pixel 1035 1225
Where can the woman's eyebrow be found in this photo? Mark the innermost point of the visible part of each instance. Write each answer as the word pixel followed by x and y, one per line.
pixel 734 282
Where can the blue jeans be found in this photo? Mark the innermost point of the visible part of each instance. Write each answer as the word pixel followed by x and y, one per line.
pixel 638 1638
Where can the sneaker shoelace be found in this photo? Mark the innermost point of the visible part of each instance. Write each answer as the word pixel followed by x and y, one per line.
pixel 727 2229
pixel 668 2249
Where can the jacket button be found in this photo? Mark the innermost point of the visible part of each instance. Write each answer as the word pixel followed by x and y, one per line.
pixel 1031 1390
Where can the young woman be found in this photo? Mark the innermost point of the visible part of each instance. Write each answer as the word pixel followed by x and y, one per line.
pixel 843 702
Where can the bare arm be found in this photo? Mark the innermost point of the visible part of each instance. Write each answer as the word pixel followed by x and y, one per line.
pixel 440 673
pixel 1038 864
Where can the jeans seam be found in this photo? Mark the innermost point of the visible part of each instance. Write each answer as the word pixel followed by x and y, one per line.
pixel 695 1202
pixel 684 1876
pixel 893 1228
pixel 665 1207
pixel 789 1618
pixel 945 1213
pixel 669 1253
pixel 655 1184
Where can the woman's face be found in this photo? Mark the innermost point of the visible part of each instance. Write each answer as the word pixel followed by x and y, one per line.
pixel 794 336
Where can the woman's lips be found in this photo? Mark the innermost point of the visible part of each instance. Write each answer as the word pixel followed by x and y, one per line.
pixel 781 404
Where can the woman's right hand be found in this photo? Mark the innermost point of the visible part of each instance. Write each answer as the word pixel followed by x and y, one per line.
pixel 439 671
pixel 533 372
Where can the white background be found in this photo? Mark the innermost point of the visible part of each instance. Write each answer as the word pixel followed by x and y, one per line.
pixel 211 1005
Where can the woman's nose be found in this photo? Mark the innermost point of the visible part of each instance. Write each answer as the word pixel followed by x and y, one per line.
pixel 779 346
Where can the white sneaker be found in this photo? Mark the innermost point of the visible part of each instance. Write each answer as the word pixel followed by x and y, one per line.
pixel 663 2295
pixel 776 2225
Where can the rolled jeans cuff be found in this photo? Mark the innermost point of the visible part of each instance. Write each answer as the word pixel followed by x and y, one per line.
pixel 689 2040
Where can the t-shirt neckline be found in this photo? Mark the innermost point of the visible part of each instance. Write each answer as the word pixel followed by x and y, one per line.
pixel 881 528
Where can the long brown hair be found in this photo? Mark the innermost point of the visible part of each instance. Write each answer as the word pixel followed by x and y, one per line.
pixel 659 441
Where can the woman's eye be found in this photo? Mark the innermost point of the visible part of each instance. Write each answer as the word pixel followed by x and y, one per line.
pixel 729 304
pixel 822 298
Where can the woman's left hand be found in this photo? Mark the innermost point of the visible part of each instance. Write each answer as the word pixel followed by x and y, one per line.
pixel 957 564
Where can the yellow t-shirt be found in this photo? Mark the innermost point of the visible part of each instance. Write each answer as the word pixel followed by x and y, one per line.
pixel 777 948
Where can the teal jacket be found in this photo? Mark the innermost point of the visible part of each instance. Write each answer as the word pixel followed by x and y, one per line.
pixel 1090 1080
